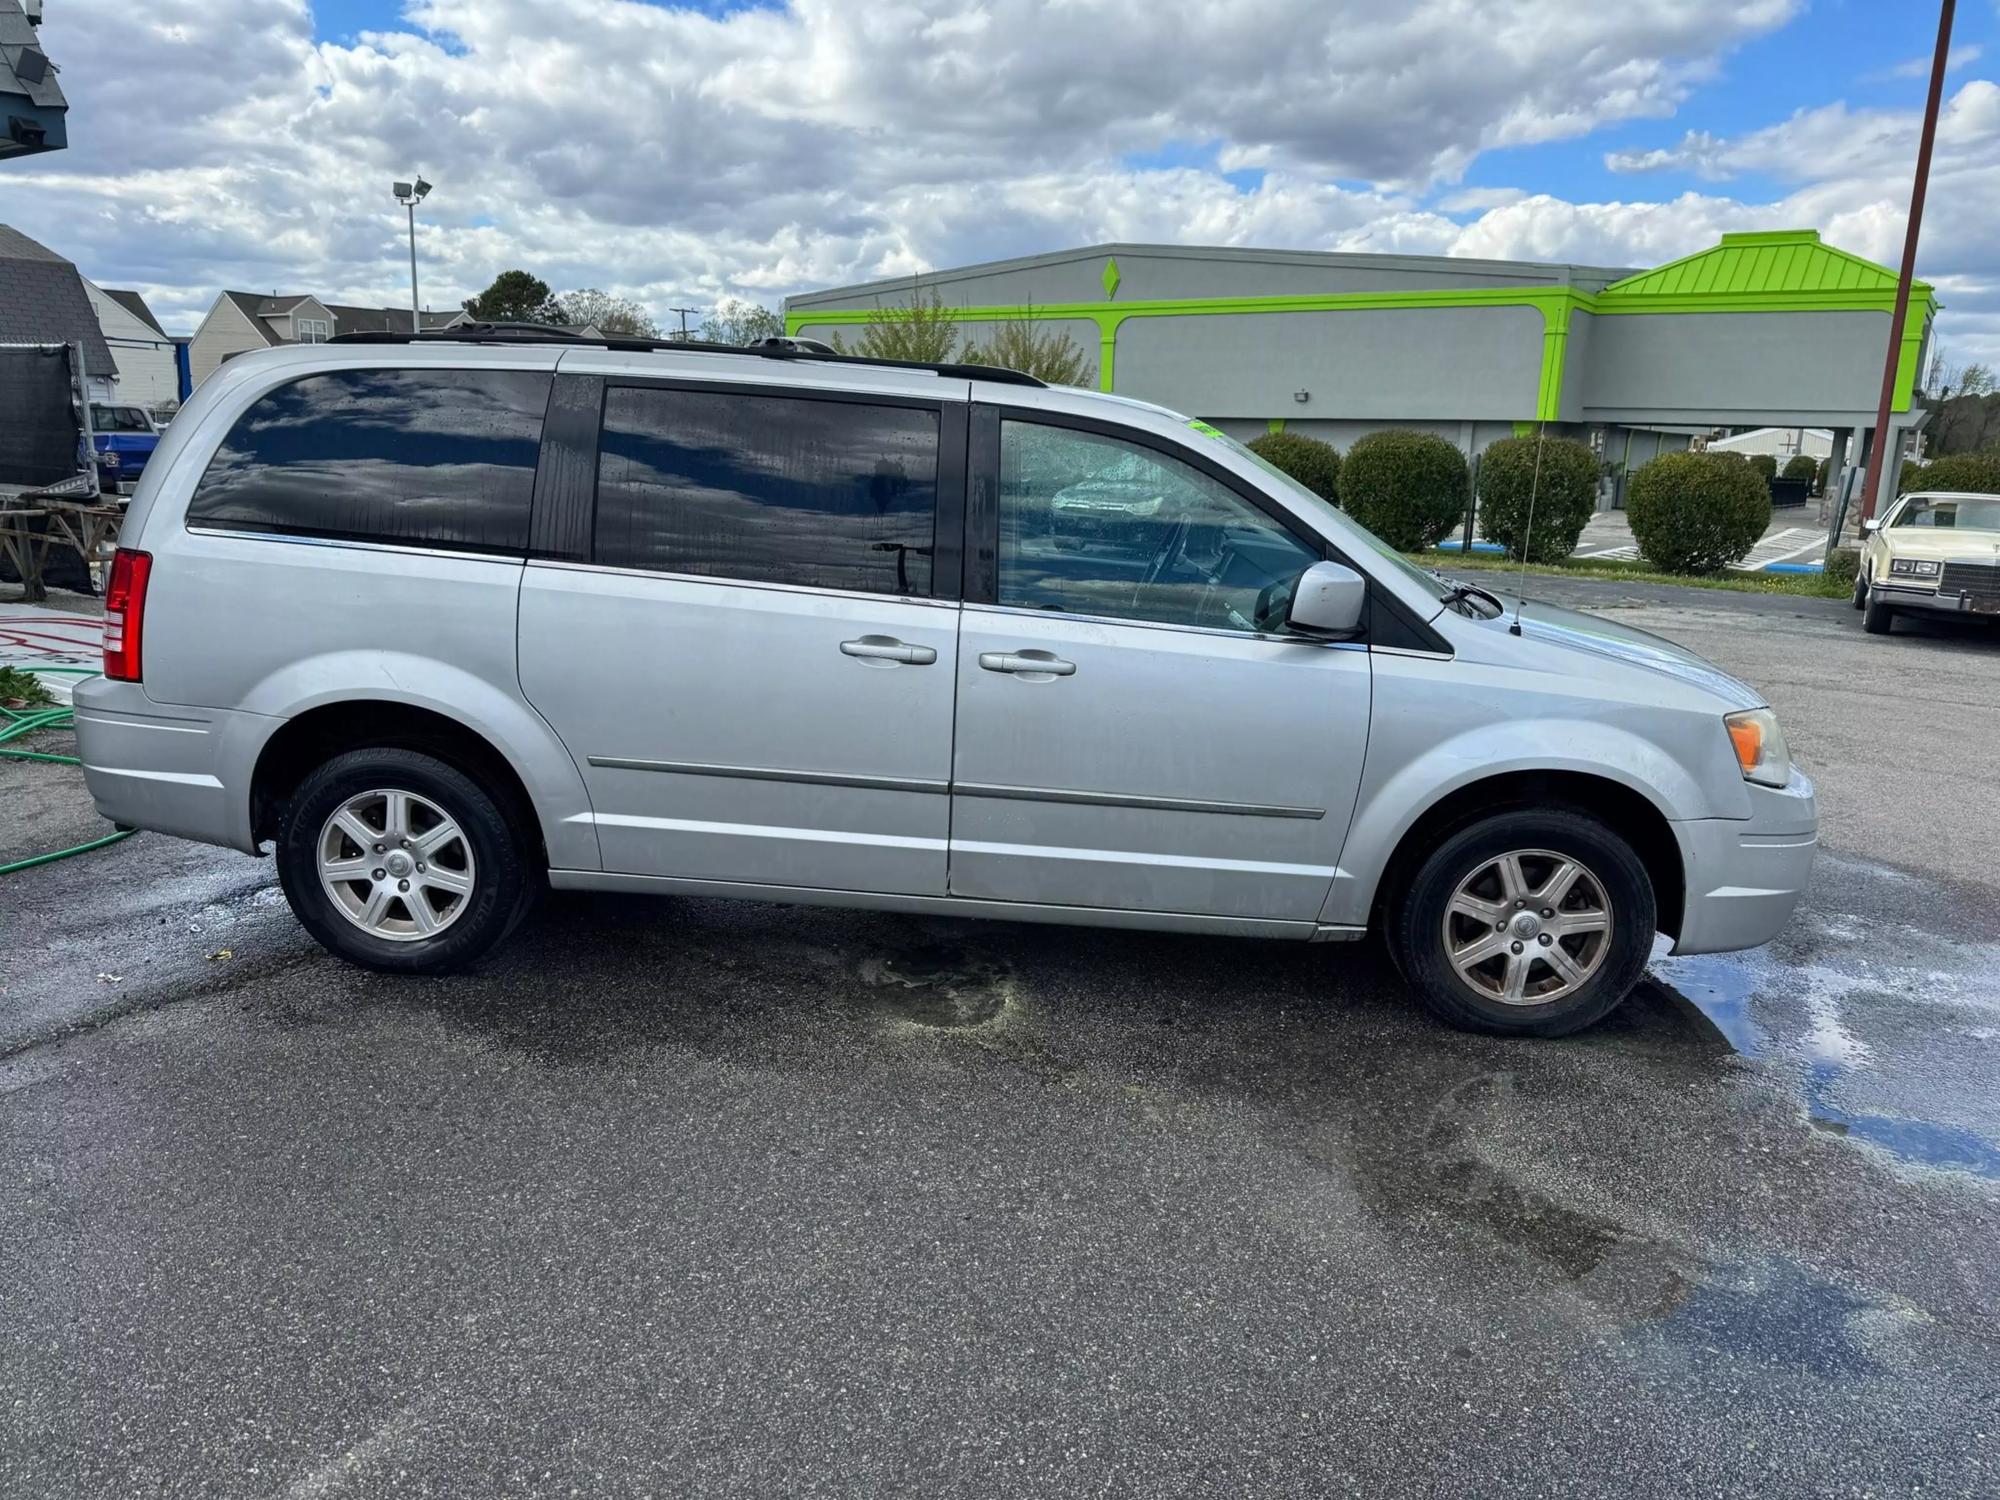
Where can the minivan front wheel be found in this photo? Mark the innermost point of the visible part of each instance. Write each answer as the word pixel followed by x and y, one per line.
pixel 1527 923
pixel 396 860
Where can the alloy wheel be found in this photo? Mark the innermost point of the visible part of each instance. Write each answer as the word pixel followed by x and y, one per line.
pixel 1528 927
pixel 396 865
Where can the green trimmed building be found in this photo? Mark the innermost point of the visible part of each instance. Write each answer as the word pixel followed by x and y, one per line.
pixel 1762 330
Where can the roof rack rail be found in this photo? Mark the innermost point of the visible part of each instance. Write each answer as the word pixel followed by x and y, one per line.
pixel 772 348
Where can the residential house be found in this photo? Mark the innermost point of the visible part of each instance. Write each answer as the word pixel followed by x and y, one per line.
pixel 148 371
pixel 242 321
pixel 43 301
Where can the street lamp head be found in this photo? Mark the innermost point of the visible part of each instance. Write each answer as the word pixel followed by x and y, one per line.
pixel 402 191
pixel 423 189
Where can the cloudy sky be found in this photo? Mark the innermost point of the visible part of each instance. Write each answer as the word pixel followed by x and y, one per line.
pixel 679 154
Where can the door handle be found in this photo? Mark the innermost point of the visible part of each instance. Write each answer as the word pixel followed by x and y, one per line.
pixel 1027 663
pixel 889 651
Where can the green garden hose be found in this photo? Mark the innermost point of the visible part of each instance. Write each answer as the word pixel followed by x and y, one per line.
pixel 16 723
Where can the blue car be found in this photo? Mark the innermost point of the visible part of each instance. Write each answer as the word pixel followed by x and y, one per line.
pixel 125 439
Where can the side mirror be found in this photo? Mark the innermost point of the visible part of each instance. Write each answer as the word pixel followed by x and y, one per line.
pixel 1870 526
pixel 1327 601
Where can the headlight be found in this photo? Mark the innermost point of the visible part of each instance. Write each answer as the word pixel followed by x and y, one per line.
pixel 1913 567
pixel 1760 746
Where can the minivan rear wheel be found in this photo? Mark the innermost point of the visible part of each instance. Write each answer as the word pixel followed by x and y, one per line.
pixel 1526 923
pixel 398 861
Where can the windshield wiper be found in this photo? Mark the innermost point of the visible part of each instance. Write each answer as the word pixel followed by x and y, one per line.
pixel 1458 593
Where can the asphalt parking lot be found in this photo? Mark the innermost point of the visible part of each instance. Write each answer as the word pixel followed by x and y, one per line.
pixel 691 1198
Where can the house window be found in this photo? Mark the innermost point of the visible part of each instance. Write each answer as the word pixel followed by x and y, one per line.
pixel 313 330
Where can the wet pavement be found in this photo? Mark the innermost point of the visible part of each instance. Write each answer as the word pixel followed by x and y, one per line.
pixel 687 1197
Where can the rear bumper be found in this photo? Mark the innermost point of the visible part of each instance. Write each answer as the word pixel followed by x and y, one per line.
pixel 184 771
pixel 1745 875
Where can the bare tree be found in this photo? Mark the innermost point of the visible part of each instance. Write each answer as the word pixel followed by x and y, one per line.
pixel 735 321
pixel 620 316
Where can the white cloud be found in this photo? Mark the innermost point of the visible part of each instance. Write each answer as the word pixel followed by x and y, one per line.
pixel 1964 55
pixel 676 157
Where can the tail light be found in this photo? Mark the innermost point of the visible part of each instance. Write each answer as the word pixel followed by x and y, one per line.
pixel 125 614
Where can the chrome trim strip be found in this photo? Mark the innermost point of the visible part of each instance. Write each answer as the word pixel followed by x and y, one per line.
pixel 1044 853
pixel 354 544
pixel 766 831
pixel 1119 799
pixel 656 575
pixel 1273 637
pixel 771 773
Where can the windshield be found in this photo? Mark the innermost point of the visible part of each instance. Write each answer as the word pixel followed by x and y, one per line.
pixel 118 419
pixel 1966 512
pixel 1343 526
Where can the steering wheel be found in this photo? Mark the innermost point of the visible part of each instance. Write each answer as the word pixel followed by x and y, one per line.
pixel 1163 556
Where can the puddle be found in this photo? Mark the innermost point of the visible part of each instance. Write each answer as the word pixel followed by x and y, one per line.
pixel 1922 1141
pixel 1778 1315
pixel 937 986
pixel 1716 989
pixel 1842 1021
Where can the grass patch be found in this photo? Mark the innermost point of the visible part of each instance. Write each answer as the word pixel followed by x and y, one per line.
pixel 1806 585
pixel 23 689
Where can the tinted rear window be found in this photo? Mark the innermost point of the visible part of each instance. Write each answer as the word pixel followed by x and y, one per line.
pixel 775 489
pixel 427 457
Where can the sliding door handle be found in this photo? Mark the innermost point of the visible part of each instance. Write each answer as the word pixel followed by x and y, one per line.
pixel 887 651
pixel 1038 664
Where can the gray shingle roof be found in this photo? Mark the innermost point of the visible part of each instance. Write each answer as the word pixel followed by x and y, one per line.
pixel 134 304
pixel 249 303
pixel 42 301
pixel 348 319
pixel 17 35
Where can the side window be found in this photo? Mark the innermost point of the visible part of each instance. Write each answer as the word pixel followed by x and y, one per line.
pixel 771 489
pixel 1091 525
pixel 438 457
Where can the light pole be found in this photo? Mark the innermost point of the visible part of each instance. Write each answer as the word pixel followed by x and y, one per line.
pixel 410 195
pixel 1878 455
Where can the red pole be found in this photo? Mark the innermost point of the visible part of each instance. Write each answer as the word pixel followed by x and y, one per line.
pixel 1881 442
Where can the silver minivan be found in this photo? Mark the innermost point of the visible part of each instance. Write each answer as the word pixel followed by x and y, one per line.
pixel 448 619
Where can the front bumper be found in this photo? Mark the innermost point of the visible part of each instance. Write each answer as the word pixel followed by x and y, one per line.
pixel 1931 602
pixel 1745 875
pixel 177 770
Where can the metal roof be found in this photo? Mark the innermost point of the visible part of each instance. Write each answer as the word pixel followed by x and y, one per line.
pixel 1785 260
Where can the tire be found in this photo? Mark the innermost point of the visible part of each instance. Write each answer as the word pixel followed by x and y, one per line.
pixel 1877 617
pixel 486 853
pixel 1604 962
pixel 1860 590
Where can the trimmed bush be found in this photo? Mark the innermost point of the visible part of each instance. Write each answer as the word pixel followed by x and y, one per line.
pixel 1971 473
pixel 1819 475
pixel 1843 564
pixel 1801 466
pixel 1314 464
pixel 1911 477
pixel 1406 487
pixel 1766 466
pixel 1565 498
pixel 1696 512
